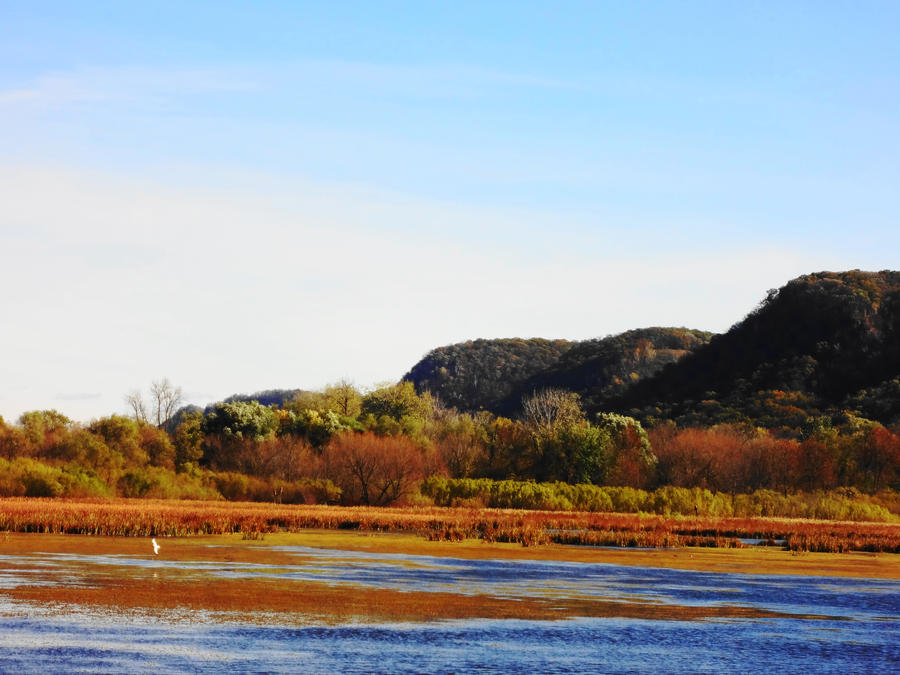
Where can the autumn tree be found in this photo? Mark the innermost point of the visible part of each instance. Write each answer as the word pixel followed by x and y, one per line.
pixel 44 428
pixel 372 470
pixel 460 443
pixel 631 460
pixel 286 457
pixel 123 436
pixel 13 442
pixel 878 457
pixel 158 446
pixel 507 448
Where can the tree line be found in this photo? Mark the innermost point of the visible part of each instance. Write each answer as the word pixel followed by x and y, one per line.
pixel 376 448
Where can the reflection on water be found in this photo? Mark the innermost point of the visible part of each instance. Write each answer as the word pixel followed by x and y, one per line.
pixel 860 635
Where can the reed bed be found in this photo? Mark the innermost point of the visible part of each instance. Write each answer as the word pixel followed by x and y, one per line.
pixel 167 518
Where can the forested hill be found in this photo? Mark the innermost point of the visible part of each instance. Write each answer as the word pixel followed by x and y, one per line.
pixel 600 369
pixel 496 374
pixel 822 343
pixel 477 374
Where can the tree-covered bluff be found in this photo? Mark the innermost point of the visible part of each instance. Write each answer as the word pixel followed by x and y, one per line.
pixel 477 374
pixel 819 345
pixel 600 369
pixel 497 375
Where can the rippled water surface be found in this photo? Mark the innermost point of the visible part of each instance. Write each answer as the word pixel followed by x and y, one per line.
pixel 856 626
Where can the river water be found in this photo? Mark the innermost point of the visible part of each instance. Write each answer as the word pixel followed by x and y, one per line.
pixel 833 625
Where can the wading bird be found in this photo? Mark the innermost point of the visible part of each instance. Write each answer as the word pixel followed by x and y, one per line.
pixel 155 546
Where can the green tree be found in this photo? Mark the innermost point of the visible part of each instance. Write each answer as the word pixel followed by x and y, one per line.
pixel 189 437
pixel 86 449
pixel 563 444
pixel 397 401
pixel 241 420
pixel 343 399
pixel 315 426
pixel 123 436
pixel 43 428
pixel 233 432
pixel 631 459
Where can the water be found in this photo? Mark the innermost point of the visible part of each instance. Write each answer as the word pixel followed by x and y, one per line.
pixel 858 629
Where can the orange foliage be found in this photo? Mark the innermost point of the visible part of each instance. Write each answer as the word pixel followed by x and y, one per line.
pixel 373 470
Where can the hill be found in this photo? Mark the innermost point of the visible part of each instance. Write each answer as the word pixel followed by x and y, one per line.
pixel 601 369
pixel 477 374
pixel 496 374
pixel 822 343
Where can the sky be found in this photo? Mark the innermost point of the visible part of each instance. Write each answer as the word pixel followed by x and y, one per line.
pixel 242 196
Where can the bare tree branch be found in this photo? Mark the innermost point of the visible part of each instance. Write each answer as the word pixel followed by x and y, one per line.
pixel 166 398
pixel 135 401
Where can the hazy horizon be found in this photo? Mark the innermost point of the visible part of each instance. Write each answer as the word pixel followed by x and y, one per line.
pixel 243 198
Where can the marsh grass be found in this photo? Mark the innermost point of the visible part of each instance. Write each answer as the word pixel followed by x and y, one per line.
pixel 145 518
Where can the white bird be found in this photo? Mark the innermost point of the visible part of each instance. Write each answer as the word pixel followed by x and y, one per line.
pixel 155 546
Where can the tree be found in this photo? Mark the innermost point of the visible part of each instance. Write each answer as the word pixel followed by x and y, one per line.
pixel 460 444
pixel 13 442
pixel 344 399
pixel 157 445
pixel 549 409
pixel 397 401
pixel 316 427
pixel 232 432
pixel 372 470
pixel 631 459
pixel 44 428
pixel 189 442
pixel 88 449
pixel 585 449
pixel 878 456
pixel 286 457
pixel 135 401
pixel 123 436
pixel 165 400
pixel 241 419
pixel 161 407
pixel 564 446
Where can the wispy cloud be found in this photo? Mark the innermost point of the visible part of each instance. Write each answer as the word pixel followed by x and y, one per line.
pixel 124 84
pixel 147 84
pixel 78 396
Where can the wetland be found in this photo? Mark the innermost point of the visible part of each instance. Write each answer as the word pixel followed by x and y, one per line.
pixel 319 601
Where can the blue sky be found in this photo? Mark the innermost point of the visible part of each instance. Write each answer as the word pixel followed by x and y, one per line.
pixel 241 196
